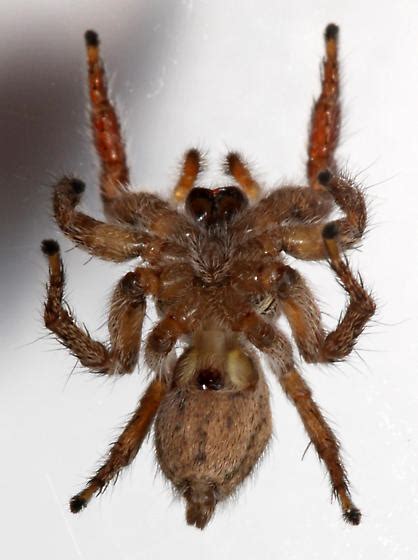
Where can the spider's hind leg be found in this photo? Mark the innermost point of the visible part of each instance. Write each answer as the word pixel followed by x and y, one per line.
pixel 275 345
pixel 324 440
pixel 125 448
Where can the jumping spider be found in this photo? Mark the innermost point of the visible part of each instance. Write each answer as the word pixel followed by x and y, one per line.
pixel 218 275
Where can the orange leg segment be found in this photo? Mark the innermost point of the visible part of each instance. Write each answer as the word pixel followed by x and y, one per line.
pixel 325 122
pixel 325 442
pixel 126 446
pixel 105 125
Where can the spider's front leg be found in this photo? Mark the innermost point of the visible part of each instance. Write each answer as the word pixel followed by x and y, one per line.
pixel 310 204
pixel 326 113
pixel 106 128
pixel 119 203
pixel 125 319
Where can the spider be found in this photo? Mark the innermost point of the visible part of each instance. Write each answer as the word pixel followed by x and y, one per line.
pixel 214 262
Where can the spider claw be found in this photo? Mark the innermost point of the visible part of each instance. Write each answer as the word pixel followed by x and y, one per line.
pixel 77 185
pixel 352 516
pixel 91 38
pixel 77 503
pixel 331 31
pixel 69 190
pixel 50 247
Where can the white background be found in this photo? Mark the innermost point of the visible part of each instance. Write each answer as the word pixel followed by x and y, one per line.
pixel 219 75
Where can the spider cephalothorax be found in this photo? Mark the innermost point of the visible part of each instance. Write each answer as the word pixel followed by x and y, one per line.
pixel 214 261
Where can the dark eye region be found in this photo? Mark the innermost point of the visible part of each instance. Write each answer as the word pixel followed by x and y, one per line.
pixel 210 207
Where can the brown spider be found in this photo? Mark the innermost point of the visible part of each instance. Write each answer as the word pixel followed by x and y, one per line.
pixel 217 272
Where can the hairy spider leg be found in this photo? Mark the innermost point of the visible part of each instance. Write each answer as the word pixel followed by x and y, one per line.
pixel 274 343
pixel 306 241
pixel 235 166
pixel 127 310
pixel 299 205
pixel 325 120
pixel 324 440
pixel 126 447
pixel 319 241
pixel 361 307
pixel 119 203
pixel 112 242
pixel 162 338
pixel 192 166
pixel 105 126
pixel 300 308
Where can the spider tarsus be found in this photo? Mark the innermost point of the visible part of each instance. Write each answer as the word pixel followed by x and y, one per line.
pixel 92 38
pixel 330 231
pixel 331 31
pixel 77 504
pixel 50 247
pixel 324 177
pixel 77 185
pixel 352 516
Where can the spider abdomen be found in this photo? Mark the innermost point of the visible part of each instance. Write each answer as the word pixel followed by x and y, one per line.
pixel 208 442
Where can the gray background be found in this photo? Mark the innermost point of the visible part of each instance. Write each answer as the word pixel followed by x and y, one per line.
pixel 218 75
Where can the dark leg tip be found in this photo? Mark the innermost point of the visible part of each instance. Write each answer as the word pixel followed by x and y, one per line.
pixel 77 504
pixel 91 38
pixel 330 231
pixel 324 177
pixel 331 31
pixel 50 247
pixel 77 185
pixel 352 516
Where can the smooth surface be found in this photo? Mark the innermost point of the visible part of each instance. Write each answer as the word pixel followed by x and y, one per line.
pixel 218 75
